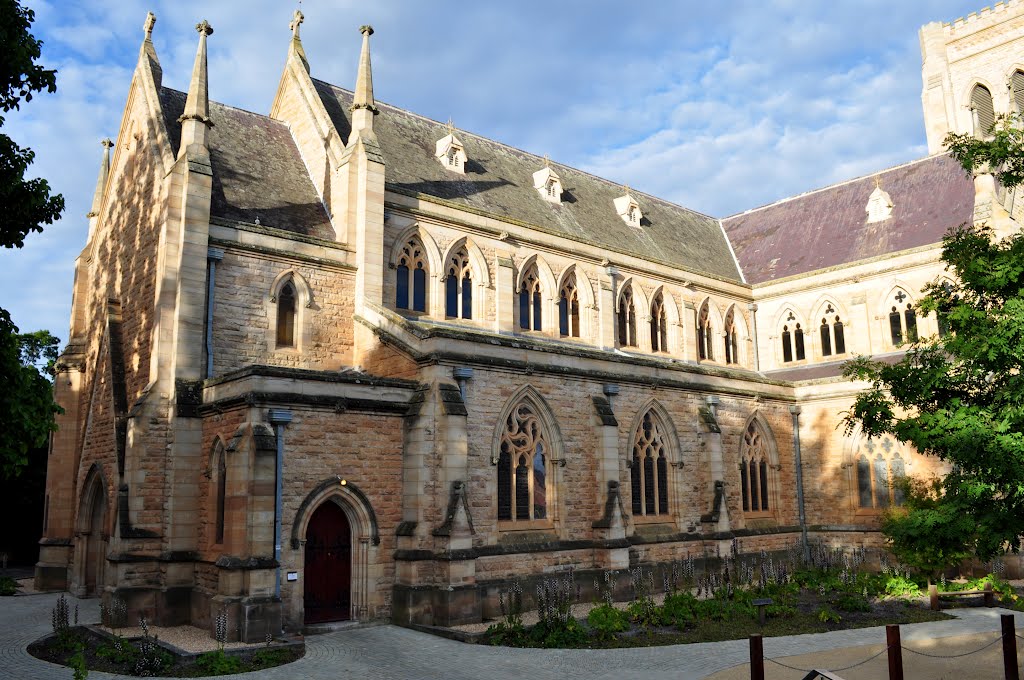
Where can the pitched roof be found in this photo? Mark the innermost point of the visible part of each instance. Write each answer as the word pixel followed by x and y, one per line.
pixel 829 227
pixel 498 180
pixel 257 169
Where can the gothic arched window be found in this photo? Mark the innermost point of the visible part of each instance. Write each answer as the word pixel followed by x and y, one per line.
pixel 792 339
pixel 649 470
pixel 982 111
pixel 755 470
pixel 627 319
pixel 286 316
pixel 530 302
pixel 458 298
pixel 705 344
pixel 569 309
pixel 659 325
pixel 878 467
pixel 523 465
pixel 411 278
pixel 732 344
pixel 831 331
pixel 1017 91
pixel 902 320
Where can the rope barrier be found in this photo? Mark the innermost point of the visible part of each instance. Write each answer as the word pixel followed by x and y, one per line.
pixel 953 656
pixel 831 670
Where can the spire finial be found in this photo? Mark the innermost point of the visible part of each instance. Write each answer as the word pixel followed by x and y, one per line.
pixel 626 187
pixel 296 21
pixel 450 126
pixel 195 120
pixel 878 182
pixel 148 26
pixel 101 182
pixel 547 161
pixel 363 108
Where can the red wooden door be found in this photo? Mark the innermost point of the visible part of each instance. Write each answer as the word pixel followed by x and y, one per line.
pixel 328 574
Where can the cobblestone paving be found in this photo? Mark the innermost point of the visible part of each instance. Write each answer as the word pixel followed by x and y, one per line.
pixel 393 653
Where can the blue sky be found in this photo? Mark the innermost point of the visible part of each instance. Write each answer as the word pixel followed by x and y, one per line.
pixel 720 107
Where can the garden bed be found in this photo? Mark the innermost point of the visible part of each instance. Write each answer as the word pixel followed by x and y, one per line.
pixel 98 650
pixel 830 593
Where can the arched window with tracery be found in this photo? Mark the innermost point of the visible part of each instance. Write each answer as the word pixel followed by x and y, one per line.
pixel 569 309
pixel 732 344
pixel 792 340
pixel 832 333
pixel 649 469
pixel 530 318
pixel 1017 91
pixel 705 339
pixel 942 314
pixel 659 324
pixel 411 277
pixel 523 465
pixel 220 481
pixel 982 112
pixel 902 319
pixel 879 466
pixel 458 298
pixel 286 312
pixel 755 470
pixel 627 319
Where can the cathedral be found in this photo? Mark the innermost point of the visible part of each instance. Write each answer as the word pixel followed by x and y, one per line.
pixel 342 362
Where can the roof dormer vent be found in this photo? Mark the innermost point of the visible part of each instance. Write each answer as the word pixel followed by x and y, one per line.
pixel 879 207
pixel 628 209
pixel 450 151
pixel 548 183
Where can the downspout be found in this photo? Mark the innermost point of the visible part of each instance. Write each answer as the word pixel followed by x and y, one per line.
pixel 278 418
pixel 795 410
pixel 213 256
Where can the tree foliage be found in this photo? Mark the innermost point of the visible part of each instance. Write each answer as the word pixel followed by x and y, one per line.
pixel 960 396
pixel 27 203
pixel 26 399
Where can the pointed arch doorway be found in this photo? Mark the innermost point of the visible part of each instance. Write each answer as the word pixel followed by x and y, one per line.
pixel 327 593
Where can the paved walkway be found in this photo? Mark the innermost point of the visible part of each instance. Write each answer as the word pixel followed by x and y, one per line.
pixel 390 652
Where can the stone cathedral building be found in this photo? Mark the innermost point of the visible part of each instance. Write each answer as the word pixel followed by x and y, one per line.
pixel 341 361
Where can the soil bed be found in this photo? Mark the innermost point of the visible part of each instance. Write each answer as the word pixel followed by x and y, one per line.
pixel 102 651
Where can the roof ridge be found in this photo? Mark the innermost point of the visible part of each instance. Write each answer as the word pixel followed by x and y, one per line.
pixel 540 159
pixel 829 187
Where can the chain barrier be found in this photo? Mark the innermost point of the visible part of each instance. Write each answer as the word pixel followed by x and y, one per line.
pixel 831 670
pixel 953 656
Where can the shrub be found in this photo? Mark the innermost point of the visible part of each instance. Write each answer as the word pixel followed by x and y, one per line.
pixel 77 663
pixel 679 609
pixel 219 663
pixel 606 620
pixel 118 651
pixel 558 634
pixel 8 586
pixel 826 615
pixel 852 602
pixel 266 658
pixel 901 586
pixel 151 659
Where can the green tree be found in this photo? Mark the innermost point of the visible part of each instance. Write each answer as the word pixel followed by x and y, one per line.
pixel 26 400
pixel 960 396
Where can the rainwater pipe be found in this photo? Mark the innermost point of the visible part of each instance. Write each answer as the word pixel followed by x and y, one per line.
pixel 795 410
pixel 278 418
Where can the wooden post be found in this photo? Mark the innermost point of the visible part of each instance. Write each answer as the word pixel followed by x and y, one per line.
pixel 757 658
pixel 933 596
pixel 990 596
pixel 1009 648
pixel 892 640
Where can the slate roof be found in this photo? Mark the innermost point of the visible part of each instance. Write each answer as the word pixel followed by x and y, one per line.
pixel 828 227
pixel 257 169
pixel 499 181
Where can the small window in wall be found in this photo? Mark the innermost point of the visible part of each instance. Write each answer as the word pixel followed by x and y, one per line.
pixel 1017 91
pixel 832 333
pixel 982 111
pixel 286 316
pixel 627 319
pixel 569 309
pixel 792 339
pixel 659 325
pixel 458 298
pixel 705 337
pixel 411 278
pixel 732 344
pixel 902 320
pixel 530 302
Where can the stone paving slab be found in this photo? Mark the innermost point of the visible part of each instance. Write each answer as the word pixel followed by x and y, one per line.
pixel 394 653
